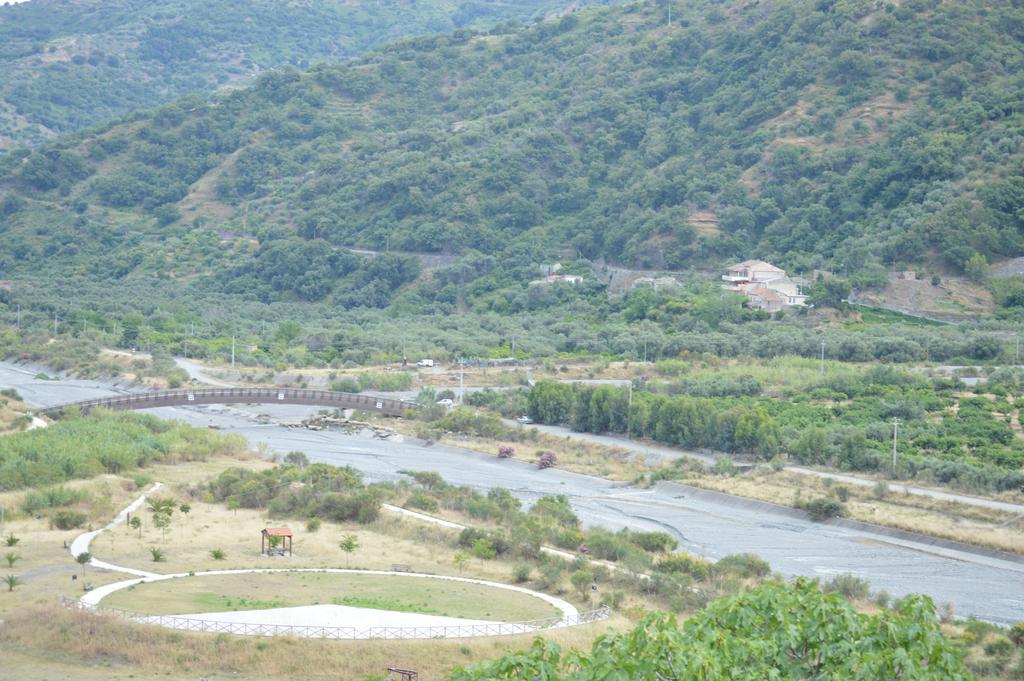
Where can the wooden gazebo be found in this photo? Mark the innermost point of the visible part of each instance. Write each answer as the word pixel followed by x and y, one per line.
pixel 283 532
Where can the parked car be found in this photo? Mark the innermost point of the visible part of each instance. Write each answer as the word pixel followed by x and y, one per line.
pixel 425 363
pixel 525 420
pixel 447 402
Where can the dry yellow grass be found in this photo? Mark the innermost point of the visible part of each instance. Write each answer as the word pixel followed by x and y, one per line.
pixel 970 524
pixel 50 642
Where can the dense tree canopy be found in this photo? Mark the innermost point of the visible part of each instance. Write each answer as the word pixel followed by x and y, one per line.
pixel 777 631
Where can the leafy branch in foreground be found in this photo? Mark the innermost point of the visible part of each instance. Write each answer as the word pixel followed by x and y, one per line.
pixel 778 631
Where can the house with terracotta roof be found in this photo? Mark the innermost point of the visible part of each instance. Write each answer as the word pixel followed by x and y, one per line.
pixel 766 286
pixel 752 270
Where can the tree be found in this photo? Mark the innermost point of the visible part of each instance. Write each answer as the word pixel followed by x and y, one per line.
pixel 460 559
pixel 136 524
pixel 185 509
pixel 11 581
pixel 581 581
pixel 976 267
pixel 157 554
pixel 483 548
pixel 83 559
pixel 297 459
pixel 233 504
pixel 777 631
pixel 349 544
pixel 11 540
pixel 162 521
pixel 12 558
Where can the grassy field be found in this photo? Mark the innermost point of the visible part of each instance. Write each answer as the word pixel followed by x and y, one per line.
pixel 217 593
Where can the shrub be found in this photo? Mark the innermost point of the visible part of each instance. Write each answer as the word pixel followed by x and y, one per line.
pixel 216 554
pixel 345 385
pixel 823 508
pixel 683 564
pixel 483 549
pixel 312 525
pixel 11 393
pixel 157 554
pixel 505 452
pixel 743 565
pixel 422 501
pixel 1017 634
pixel 546 460
pixel 843 493
pixel 654 542
pixel 880 490
pixel 521 572
pixel 67 519
pixel 999 646
pixel 850 586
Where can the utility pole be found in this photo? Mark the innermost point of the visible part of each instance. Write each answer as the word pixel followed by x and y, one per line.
pixel 1016 352
pixel 19 316
pixel 54 323
pixel 670 13
pixel 895 431
pixel 629 411
pixel 462 383
pixel 232 352
pixel 822 365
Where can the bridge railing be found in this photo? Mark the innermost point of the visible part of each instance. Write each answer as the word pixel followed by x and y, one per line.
pixel 344 633
pixel 242 395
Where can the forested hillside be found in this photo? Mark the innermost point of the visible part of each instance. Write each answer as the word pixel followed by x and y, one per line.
pixel 66 64
pixel 847 135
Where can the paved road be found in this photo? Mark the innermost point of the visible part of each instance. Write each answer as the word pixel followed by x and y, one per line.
pixel 658 451
pixel 987 588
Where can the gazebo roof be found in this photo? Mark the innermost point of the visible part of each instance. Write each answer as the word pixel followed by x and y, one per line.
pixel 277 531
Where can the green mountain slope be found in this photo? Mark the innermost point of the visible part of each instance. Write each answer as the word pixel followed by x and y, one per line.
pixel 815 133
pixel 66 64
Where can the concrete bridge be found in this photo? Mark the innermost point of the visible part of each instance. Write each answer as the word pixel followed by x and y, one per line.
pixel 190 397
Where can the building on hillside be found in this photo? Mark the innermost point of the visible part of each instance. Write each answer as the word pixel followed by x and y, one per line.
pixel 765 299
pixel 557 279
pixel 752 270
pixel 766 286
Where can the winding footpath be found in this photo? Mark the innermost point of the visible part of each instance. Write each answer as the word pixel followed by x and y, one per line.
pixel 320 621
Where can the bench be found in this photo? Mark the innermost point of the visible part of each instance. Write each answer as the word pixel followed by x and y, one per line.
pixel 401 567
pixel 403 674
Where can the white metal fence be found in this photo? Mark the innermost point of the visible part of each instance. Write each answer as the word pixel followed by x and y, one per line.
pixel 345 633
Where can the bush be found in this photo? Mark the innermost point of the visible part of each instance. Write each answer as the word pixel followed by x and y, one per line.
pixel 51 497
pixel 67 519
pixel 823 508
pixel 11 393
pixel 217 554
pixel 843 493
pixel 850 586
pixel 654 542
pixel 999 646
pixel 312 525
pixel 546 460
pixel 521 572
pixel 686 565
pixel 505 452
pixel 345 385
pixel 422 501
pixel 744 565
pixel 1017 634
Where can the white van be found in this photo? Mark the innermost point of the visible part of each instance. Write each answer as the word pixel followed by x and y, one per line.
pixel 425 363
